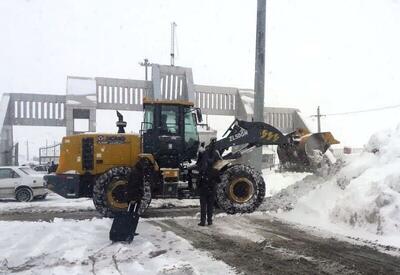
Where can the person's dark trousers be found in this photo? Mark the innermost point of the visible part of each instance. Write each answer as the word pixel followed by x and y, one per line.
pixel 206 207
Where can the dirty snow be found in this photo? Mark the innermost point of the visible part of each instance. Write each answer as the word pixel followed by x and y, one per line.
pixel 53 203
pixel 83 247
pixel 361 200
pixel 56 203
pixel 170 203
pixel 237 229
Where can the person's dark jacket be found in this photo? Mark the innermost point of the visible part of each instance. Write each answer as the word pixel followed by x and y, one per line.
pixel 205 162
pixel 135 190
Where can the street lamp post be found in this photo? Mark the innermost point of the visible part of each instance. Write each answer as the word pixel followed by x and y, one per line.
pixel 145 64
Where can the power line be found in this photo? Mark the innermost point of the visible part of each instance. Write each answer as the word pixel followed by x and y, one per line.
pixel 319 115
pixel 359 111
pixel 365 110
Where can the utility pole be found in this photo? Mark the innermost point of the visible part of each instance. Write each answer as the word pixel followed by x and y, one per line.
pixel 27 151
pixel 145 64
pixel 319 120
pixel 318 116
pixel 173 25
pixel 16 153
pixel 259 75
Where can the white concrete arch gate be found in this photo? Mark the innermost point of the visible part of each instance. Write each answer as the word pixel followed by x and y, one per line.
pixel 85 95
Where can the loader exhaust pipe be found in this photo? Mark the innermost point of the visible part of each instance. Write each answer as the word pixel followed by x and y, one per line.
pixel 121 124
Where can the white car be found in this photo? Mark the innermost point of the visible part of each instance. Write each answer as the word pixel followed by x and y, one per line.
pixel 21 183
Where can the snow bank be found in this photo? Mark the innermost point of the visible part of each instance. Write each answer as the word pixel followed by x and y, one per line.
pixel 371 199
pixel 362 199
pixel 83 247
pixel 53 203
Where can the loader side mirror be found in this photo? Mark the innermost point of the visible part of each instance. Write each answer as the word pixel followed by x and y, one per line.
pixel 199 115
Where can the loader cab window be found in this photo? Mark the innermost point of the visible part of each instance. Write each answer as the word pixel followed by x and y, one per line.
pixel 169 120
pixel 191 135
pixel 148 120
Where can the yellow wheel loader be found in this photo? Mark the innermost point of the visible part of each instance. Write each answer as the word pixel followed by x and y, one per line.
pixel 162 158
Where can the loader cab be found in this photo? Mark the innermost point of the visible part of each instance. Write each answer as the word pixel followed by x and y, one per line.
pixel 169 131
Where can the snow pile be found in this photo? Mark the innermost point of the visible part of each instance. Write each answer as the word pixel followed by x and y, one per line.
pixel 362 199
pixel 83 247
pixel 372 197
pixel 286 198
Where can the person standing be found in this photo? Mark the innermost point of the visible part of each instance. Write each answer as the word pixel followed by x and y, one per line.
pixel 207 198
pixel 52 167
pixel 207 188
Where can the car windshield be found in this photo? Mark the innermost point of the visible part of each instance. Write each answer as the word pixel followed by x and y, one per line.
pixel 28 171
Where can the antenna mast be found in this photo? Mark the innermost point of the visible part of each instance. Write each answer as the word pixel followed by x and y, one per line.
pixel 173 25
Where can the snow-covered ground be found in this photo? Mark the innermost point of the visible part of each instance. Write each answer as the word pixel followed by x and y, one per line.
pixel 362 200
pixel 83 247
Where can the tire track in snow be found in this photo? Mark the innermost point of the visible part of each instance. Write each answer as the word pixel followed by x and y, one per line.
pixel 281 248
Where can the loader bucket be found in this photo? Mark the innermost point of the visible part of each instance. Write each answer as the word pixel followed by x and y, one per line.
pixel 306 151
pixel 317 142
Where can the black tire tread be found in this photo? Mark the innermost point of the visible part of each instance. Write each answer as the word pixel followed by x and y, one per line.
pixel 240 170
pixel 100 187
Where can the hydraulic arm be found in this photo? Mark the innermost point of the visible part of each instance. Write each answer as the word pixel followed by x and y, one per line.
pixel 299 150
pixel 254 134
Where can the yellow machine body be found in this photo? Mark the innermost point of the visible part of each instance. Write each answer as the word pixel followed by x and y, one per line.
pixel 109 150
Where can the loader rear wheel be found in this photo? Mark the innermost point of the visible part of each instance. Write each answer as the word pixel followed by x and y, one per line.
pixel 241 190
pixel 110 189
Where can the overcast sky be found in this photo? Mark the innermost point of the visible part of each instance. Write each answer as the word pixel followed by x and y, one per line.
pixel 342 55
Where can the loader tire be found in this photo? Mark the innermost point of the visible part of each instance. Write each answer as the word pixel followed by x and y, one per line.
pixel 241 189
pixel 110 189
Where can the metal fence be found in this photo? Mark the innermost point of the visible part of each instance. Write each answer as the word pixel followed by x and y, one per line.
pixel 47 154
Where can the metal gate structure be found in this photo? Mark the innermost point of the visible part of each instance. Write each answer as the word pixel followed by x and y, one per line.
pixel 86 95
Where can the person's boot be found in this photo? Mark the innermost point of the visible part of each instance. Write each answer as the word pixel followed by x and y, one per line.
pixel 209 222
pixel 201 224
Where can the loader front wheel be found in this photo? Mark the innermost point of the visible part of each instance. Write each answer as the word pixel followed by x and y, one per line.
pixel 110 190
pixel 241 189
